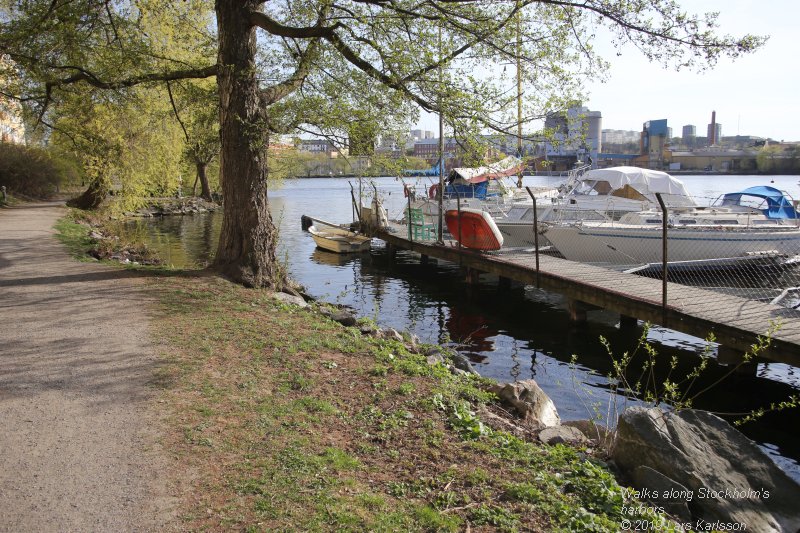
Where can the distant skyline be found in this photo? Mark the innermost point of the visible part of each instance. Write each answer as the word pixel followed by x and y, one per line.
pixel 758 94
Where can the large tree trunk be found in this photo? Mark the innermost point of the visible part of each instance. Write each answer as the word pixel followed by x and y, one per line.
pixel 91 197
pixel 246 251
pixel 202 176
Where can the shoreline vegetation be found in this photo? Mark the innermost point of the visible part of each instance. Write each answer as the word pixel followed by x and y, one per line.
pixel 278 417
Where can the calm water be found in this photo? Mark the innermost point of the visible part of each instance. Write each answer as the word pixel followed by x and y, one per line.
pixel 509 334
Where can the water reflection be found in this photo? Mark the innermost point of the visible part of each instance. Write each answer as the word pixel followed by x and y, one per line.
pixel 509 333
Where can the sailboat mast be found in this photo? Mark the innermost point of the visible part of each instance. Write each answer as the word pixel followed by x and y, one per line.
pixel 519 99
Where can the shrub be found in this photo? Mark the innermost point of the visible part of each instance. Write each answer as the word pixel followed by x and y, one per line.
pixel 32 172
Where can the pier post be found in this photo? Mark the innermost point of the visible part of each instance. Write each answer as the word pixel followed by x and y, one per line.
pixel 473 276
pixel 423 259
pixel 732 357
pixel 391 250
pixel 577 310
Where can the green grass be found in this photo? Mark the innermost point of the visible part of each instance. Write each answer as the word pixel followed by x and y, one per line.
pixel 75 237
pixel 299 423
pixel 288 421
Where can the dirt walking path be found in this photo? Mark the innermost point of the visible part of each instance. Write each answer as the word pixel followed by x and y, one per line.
pixel 79 438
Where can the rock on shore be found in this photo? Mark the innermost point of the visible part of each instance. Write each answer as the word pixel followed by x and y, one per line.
pixel 726 476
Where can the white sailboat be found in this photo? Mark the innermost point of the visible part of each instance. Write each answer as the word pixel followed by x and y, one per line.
pixel 694 234
pixel 595 195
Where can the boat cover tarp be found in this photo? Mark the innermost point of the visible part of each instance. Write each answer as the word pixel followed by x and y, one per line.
pixel 433 171
pixel 510 166
pixel 777 205
pixel 642 179
pixel 469 190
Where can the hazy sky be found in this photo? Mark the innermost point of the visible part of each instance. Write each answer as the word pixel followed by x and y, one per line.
pixel 758 94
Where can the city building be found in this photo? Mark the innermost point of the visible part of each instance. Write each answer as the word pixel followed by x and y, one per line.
pixel 711 159
pixel 418 135
pixel 428 149
pixel 621 141
pixel 415 136
pixel 714 130
pixel 742 141
pixel 574 134
pixel 715 136
pixel 655 138
pixel 321 146
pixel 620 137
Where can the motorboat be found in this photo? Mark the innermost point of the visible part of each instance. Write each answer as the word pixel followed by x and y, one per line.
pixel 693 234
pixel 596 195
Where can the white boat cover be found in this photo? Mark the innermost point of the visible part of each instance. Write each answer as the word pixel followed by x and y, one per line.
pixel 641 179
pixel 510 166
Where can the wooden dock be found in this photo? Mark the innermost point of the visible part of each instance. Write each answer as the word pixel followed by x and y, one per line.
pixel 735 322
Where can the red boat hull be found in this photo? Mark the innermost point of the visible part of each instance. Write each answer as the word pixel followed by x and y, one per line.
pixel 475 229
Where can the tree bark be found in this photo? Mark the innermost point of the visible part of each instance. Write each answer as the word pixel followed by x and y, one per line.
pixel 92 197
pixel 205 189
pixel 246 251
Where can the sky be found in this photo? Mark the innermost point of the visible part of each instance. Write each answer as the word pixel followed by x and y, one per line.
pixel 757 94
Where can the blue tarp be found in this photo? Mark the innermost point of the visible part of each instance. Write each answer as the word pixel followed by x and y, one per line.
pixel 465 190
pixel 433 171
pixel 776 205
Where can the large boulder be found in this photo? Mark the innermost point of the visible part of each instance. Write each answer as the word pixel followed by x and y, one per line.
pixel 531 402
pixel 728 479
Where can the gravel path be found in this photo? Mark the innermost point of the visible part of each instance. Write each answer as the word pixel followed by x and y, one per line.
pixel 79 440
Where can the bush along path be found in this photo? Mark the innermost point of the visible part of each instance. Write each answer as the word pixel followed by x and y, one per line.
pixel 289 416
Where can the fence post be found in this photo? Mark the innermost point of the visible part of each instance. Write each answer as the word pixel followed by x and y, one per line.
pixel 408 219
pixel 664 253
pixel 353 201
pixel 535 234
pixel 355 205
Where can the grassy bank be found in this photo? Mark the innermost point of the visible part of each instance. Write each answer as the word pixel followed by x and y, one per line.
pixel 289 420
pixel 279 418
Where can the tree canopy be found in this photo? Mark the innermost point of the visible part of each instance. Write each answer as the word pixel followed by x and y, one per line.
pixel 286 65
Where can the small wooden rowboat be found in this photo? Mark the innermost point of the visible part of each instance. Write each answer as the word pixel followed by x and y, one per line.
pixel 475 229
pixel 339 240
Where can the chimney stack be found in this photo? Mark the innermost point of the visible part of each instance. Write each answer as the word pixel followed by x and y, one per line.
pixel 712 140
